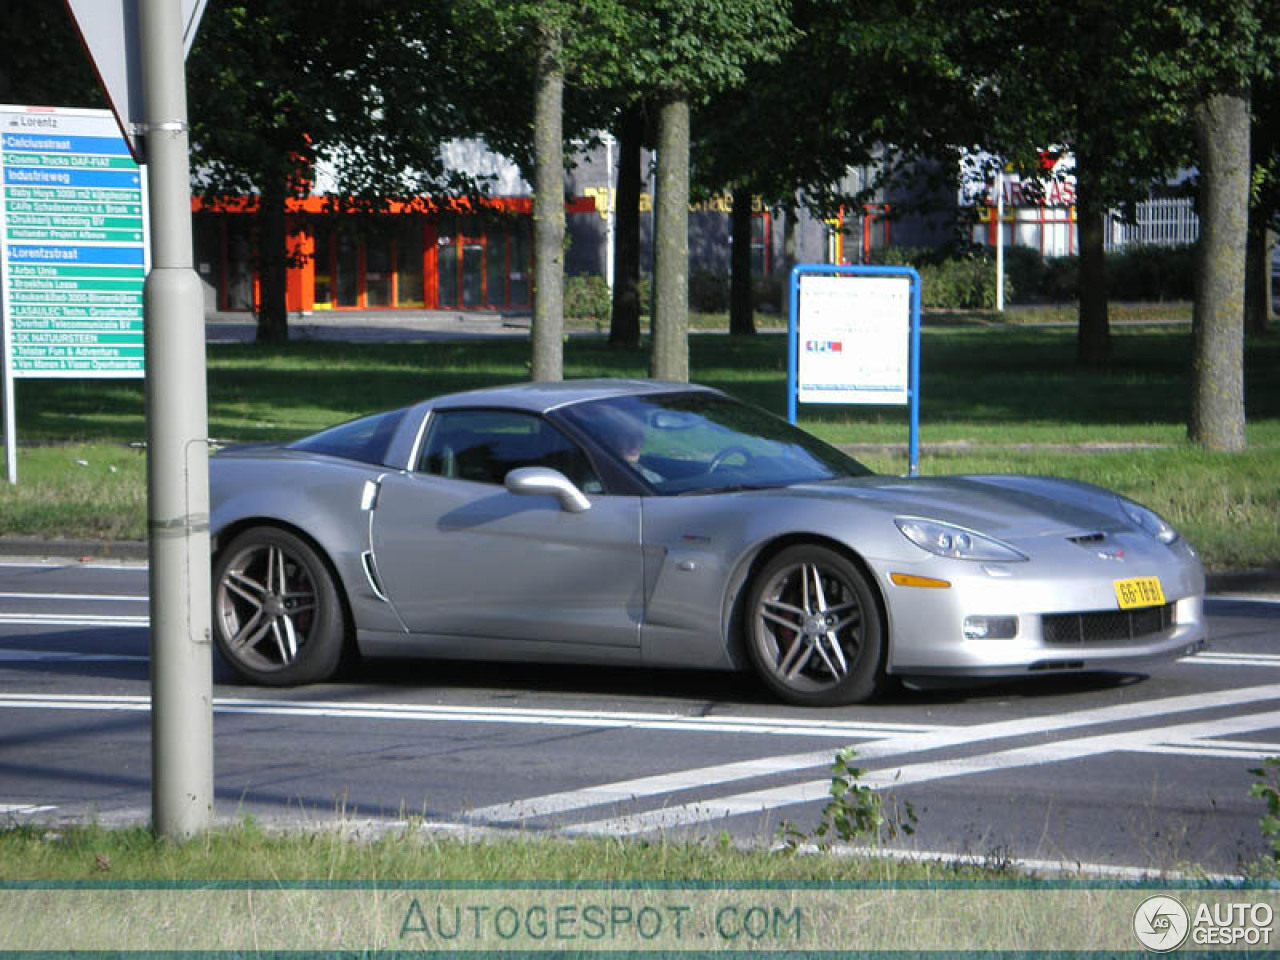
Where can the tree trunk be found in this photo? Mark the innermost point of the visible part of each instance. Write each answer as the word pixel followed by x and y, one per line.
pixel 670 357
pixel 1093 336
pixel 742 321
pixel 1257 275
pixel 273 264
pixel 624 320
pixel 548 211
pixel 1217 370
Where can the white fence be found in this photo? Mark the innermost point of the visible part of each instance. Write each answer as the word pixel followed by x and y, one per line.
pixel 1163 221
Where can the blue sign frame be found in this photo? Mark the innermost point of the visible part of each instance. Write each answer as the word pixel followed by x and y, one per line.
pixel 913 365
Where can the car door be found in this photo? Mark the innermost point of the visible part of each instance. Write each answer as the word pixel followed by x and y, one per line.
pixel 460 555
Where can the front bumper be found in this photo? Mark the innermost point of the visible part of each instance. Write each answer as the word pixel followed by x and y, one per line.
pixel 1067 616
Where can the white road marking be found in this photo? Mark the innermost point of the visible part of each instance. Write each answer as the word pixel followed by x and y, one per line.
pixel 1225 659
pixel 72 620
pixel 761 801
pixel 111 598
pixel 596 719
pixel 22 809
pixel 61 563
pixel 9 655
pixel 940 738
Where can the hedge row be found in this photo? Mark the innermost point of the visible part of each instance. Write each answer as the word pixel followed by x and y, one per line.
pixel 954 281
pixel 967 281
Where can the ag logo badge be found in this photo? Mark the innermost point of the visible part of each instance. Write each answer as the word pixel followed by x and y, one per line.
pixel 1161 923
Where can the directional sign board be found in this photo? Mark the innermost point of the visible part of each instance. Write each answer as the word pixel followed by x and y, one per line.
pixel 73 245
pixel 854 337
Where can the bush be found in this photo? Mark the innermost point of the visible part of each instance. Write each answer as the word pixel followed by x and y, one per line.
pixel 1149 272
pixel 587 298
pixel 709 292
pixel 770 292
pixel 1026 273
pixel 1061 282
pixel 955 281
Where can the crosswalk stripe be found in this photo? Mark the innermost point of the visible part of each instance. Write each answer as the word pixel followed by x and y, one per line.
pixel 648 787
pixel 762 801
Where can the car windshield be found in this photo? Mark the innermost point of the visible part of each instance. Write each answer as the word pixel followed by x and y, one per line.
pixel 694 442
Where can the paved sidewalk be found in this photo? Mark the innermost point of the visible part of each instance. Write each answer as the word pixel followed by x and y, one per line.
pixel 375 326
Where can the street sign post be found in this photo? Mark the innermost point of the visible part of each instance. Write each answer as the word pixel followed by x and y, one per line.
pixel 138 47
pixel 854 337
pixel 109 29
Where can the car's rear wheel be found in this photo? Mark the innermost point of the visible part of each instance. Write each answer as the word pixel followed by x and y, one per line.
pixel 814 630
pixel 277 617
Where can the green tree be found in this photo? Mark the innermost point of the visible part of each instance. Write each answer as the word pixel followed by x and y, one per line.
pixel 1084 87
pixel 797 123
pixel 278 88
pixel 548 206
pixel 1264 209
pixel 1222 47
pixel 680 53
pixel 624 317
pixel 560 50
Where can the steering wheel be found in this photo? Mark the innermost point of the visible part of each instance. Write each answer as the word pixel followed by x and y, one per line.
pixel 719 459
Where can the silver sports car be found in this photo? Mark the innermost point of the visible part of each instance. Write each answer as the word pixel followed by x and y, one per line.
pixel 632 522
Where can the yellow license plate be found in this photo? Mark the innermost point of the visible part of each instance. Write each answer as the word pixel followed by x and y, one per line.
pixel 1139 592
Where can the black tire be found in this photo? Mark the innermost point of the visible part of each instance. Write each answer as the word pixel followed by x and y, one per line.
pixel 813 628
pixel 277 616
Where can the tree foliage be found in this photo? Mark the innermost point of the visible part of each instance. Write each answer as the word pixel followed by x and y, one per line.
pixel 44 63
pixel 279 90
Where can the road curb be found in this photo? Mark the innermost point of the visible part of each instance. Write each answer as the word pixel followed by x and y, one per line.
pixel 133 550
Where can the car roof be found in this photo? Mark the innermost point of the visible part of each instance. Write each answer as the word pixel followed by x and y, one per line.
pixel 544 396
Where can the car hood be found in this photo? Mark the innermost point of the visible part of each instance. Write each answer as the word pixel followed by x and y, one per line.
pixel 1010 507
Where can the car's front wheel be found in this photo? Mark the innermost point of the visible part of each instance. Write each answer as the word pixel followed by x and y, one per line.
pixel 277 617
pixel 814 630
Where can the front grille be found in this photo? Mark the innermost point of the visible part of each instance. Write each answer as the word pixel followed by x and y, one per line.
pixel 1106 626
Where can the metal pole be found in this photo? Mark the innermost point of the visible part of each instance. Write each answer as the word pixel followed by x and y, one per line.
pixel 177 450
pixel 610 189
pixel 1000 241
pixel 10 411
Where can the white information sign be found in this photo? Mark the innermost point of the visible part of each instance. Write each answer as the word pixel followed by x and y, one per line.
pixel 854 339
pixel 73 245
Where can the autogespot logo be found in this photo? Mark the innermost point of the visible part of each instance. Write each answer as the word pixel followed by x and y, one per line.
pixel 1161 923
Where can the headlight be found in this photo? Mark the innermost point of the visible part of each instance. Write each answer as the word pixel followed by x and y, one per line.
pixel 1148 521
pixel 958 543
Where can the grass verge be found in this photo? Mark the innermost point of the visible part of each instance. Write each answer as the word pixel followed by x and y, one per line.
pixel 247 852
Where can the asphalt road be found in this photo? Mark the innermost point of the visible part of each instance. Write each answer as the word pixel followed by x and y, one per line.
pixel 1135 773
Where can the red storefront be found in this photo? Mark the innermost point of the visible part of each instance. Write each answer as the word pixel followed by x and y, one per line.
pixel 454 256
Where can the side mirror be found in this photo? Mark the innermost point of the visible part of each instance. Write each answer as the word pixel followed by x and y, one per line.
pixel 543 481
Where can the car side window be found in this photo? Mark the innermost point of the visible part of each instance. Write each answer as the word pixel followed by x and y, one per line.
pixel 485 445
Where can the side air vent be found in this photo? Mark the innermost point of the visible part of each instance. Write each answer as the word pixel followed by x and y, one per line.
pixel 371 574
pixel 1088 539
